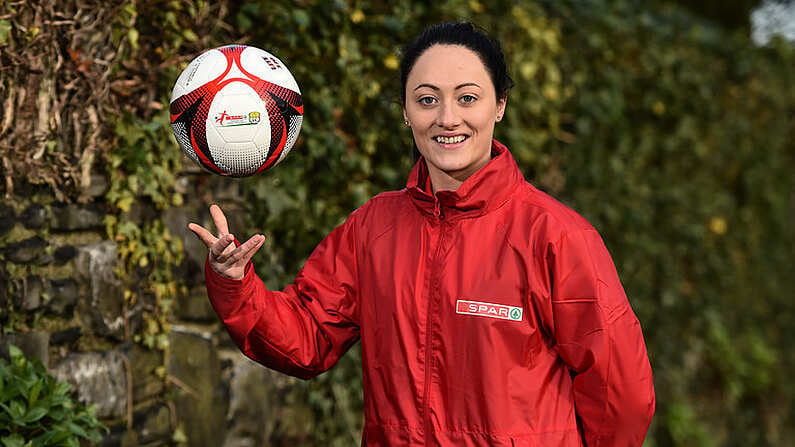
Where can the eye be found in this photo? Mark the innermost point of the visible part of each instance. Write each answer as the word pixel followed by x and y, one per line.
pixel 468 99
pixel 427 100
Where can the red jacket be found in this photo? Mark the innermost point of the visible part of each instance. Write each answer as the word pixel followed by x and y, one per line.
pixel 488 316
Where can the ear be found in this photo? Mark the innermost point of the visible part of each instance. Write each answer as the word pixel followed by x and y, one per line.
pixel 405 115
pixel 501 103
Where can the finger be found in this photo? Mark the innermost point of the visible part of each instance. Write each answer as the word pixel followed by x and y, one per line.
pixel 219 247
pixel 206 237
pixel 248 249
pixel 231 256
pixel 225 250
pixel 220 220
pixel 245 252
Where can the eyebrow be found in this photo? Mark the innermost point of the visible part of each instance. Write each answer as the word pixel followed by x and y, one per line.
pixel 435 88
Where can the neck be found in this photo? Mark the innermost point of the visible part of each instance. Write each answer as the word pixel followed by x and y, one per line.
pixel 442 181
pixel 451 180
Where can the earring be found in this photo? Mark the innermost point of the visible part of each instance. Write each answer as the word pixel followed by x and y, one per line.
pixel 499 118
pixel 406 122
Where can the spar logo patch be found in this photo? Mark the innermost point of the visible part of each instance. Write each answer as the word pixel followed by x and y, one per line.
pixel 491 310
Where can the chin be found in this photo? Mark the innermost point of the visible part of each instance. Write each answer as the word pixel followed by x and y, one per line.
pixel 449 162
pixel 453 167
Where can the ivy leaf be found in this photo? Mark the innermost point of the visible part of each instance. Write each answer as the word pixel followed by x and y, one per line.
pixel 16 410
pixel 44 439
pixel 190 36
pixel 5 31
pixel 60 434
pixel 34 414
pixel 16 356
pixel 57 414
pixel 77 430
pixel 34 393
pixel 14 440
pixel 62 388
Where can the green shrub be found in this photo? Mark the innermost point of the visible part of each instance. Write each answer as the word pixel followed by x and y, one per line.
pixel 37 410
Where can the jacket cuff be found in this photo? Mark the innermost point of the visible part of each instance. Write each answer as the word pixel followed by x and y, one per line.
pixel 227 295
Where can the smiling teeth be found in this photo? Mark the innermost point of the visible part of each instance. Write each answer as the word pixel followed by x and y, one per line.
pixel 451 140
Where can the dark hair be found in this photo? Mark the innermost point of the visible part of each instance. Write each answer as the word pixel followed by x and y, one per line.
pixel 466 35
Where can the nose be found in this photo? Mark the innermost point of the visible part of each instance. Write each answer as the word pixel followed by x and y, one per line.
pixel 448 116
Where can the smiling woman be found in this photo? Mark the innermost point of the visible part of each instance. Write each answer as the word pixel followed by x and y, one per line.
pixel 489 313
pixel 452 105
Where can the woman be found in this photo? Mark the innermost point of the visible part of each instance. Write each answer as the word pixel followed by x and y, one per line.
pixel 489 313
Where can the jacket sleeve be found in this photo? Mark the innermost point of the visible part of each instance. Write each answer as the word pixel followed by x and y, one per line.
pixel 303 330
pixel 599 337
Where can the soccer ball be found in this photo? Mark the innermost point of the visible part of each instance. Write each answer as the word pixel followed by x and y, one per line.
pixel 236 110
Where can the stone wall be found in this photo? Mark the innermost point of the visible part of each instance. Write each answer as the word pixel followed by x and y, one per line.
pixel 61 300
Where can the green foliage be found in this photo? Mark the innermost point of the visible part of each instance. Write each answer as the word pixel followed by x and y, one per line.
pixel 143 175
pixel 683 161
pixel 37 410
pixel 143 166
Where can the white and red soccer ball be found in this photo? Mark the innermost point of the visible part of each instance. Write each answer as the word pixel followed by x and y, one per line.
pixel 236 110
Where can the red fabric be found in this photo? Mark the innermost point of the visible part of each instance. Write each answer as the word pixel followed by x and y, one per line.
pixel 573 370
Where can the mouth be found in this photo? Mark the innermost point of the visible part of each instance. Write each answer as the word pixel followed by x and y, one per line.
pixel 450 140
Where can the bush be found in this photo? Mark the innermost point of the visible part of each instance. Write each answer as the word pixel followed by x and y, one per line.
pixel 37 410
pixel 682 158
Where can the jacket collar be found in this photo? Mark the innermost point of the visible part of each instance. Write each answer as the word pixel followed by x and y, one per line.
pixel 487 189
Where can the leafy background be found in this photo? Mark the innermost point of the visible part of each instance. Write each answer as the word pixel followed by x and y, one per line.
pixel 662 124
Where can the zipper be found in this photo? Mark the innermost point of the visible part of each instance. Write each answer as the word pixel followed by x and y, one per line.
pixel 429 324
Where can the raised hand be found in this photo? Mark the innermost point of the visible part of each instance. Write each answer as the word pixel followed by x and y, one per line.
pixel 225 258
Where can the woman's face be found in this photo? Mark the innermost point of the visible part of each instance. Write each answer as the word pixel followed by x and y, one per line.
pixel 451 106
